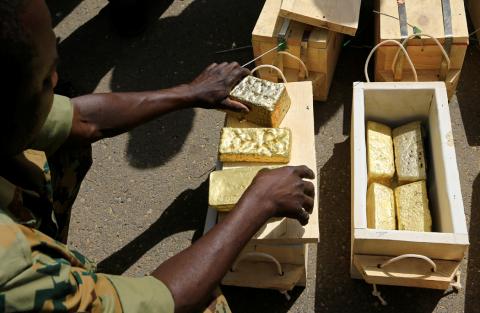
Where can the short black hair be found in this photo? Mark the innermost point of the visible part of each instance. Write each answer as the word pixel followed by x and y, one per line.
pixel 16 56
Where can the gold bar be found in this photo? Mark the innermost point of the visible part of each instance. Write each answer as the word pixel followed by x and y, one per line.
pixel 409 153
pixel 381 167
pixel 268 101
pixel 227 186
pixel 380 207
pixel 270 145
pixel 412 207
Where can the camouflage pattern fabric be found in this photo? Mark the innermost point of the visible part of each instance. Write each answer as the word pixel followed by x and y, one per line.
pixel 38 272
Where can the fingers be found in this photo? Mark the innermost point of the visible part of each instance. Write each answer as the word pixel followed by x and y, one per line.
pixel 211 67
pixel 234 105
pixel 304 172
pixel 237 75
pixel 308 204
pixel 309 188
pixel 303 217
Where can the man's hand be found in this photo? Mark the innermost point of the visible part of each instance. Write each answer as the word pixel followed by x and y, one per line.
pixel 212 87
pixel 283 192
pixel 192 274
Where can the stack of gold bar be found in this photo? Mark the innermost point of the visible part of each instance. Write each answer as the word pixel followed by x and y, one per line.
pixel 268 101
pixel 407 207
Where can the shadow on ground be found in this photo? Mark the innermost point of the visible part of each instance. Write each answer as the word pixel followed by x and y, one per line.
pixel 187 212
pixel 173 50
pixel 472 301
pixel 470 106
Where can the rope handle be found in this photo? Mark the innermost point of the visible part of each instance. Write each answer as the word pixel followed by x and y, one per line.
pixel 271 67
pixel 298 59
pixel 258 254
pixel 408 256
pixel 401 47
pixel 404 44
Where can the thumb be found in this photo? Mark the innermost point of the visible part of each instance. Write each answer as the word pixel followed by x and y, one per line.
pixel 233 105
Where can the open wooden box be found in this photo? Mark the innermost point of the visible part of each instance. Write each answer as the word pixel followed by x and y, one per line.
pixel 448 26
pixel 395 104
pixel 276 256
pixel 318 48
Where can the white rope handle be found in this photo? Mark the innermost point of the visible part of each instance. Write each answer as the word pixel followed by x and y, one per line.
pixel 401 47
pixel 407 256
pixel 445 54
pixel 261 255
pixel 298 59
pixel 271 67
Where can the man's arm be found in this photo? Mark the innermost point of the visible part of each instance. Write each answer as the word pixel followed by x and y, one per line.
pixel 192 274
pixel 97 116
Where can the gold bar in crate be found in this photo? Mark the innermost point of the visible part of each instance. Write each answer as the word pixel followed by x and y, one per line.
pixel 381 167
pixel 268 101
pixel 380 207
pixel 412 207
pixel 227 186
pixel 269 145
pixel 409 153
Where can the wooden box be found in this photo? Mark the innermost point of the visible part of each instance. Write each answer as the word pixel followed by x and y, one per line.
pixel 395 104
pixel 283 240
pixel 428 17
pixel 318 48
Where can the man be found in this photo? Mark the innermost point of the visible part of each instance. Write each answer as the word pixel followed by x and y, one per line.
pixel 45 152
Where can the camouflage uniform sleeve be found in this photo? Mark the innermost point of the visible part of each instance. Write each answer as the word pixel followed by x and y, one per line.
pixel 39 274
pixel 57 126
pixel 146 294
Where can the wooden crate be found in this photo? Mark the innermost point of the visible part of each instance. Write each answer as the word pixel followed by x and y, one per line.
pixel 474 10
pixel 395 104
pixel 317 48
pixel 428 16
pixel 282 238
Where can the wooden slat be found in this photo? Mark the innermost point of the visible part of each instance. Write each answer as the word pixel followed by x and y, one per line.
pixel 338 16
pixel 407 272
pixel 425 14
pixel 300 120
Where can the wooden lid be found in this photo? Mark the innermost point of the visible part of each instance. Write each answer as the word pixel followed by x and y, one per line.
pixel 269 24
pixel 340 16
pixel 427 15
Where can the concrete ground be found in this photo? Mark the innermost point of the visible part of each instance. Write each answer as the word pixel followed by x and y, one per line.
pixel 145 197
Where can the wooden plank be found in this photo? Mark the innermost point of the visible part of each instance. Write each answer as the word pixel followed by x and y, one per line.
pixel 337 16
pixel 443 246
pixel 407 272
pixel 425 14
pixel 300 120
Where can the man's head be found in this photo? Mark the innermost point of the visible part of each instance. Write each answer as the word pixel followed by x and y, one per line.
pixel 28 59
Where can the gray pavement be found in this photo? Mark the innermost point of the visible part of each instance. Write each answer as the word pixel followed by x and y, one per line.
pixel 145 197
